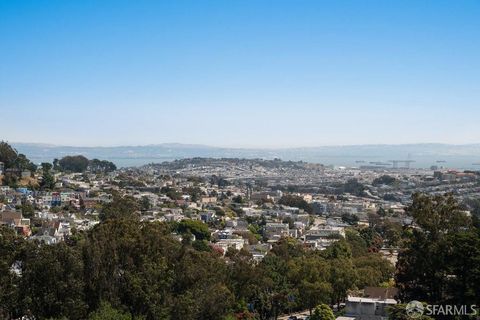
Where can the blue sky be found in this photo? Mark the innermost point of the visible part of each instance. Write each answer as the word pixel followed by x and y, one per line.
pixel 239 73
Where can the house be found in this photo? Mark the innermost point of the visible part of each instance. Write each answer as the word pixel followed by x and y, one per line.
pixel 368 308
pixel 380 293
pixel 319 207
pixel 90 203
pixel 207 200
pixel 259 250
pixel 15 220
pixel 275 231
pixel 230 243
pixel 223 234
pixel 171 217
pixel 231 223
pixel 207 216
pixel 62 230
pixel 252 212
pixel 319 244
pixel 323 236
pixel 52 199
pixel 266 196
pixel 325 232
pixel 45 238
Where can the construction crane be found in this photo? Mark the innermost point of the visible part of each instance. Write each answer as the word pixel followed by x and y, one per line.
pixel 406 163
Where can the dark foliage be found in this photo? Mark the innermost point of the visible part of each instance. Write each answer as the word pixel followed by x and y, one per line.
pixel 74 163
pixel 297 202
pixel 81 164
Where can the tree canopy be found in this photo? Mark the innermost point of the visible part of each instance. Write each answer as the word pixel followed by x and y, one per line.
pixel 384 180
pixel 441 255
pixel 127 269
pixel 80 163
pixel 297 202
pixel 74 163
pixel 124 268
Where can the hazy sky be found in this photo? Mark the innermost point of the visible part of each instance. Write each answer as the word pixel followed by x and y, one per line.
pixel 239 73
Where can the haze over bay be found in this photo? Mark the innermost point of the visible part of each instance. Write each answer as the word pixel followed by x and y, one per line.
pixel 424 155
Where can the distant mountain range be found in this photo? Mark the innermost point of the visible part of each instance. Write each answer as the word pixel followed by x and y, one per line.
pixel 424 155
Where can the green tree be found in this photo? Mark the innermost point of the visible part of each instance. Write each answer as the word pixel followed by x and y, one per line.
pixel 297 202
pixel 51 284
pixel 46 166
pixel 398 312
pixel 48 180
pixel 238 199
pixel 107 312
pixel 384 180
pixel 74 163
pixel 11 248
pixel 194 192
pixel 28 210
pixel 288 248
pixel 101 166
pixel 338 250
pixel 434 265
pixel 195 227
pixel 350 218
pixel 56 164
pixel 463 259
pixel 120 208
pixel 195 274
pixel 14 160
pixel 342 278
pixel 23 163
pixel 138 272
pixel 381 212
pixel 171 193
pixel 391 232
pixel 372 270
pixel 310 275
pixel 357 244
pixel 273 287
pixel 322 312
pixel 373 239
pixel 354 187
pixel 8 155
pixel 145 203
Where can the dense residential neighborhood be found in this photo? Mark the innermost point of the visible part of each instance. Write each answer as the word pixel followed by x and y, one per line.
pixel 239 160
pixel 354 217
